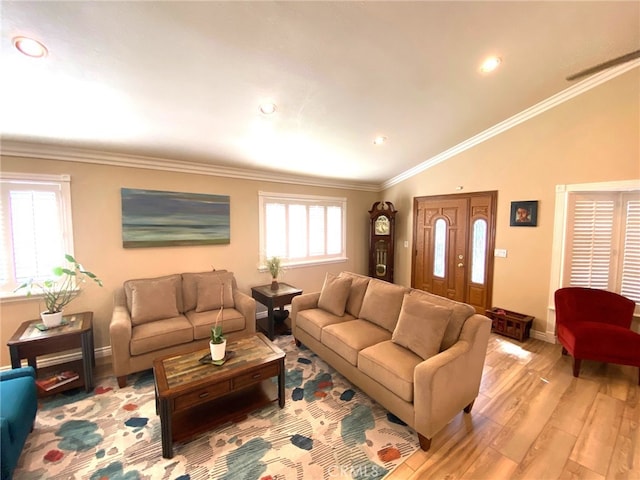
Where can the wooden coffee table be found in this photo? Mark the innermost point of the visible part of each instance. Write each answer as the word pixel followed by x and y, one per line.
pixel 192 397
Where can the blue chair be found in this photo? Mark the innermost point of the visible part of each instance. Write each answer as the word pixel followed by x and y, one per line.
pixel 18 406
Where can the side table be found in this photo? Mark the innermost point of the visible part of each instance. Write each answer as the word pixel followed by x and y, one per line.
pixel 30 342
pixel 271 299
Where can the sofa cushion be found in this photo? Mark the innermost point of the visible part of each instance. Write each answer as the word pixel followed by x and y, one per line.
pixel 460 313
pixel 153 300
pixel 348 338
pixel 152 336
pixel 232 321
pixel 421 326
pixel 176 278
pixel 356 293
pixel 392 366
pixel 334 294
pixel 601 341
pixel 382 303
pixel 190 287
pixel 314 320
pixel 213 290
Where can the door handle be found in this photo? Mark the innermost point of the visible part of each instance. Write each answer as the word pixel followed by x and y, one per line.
pixel 460 265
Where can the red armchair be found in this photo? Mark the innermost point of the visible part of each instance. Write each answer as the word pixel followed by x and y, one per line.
pixel 596 325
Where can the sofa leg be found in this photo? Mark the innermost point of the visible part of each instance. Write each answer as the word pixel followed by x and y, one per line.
pixel 468 408
pixel 122 381
pixel 298 343
pixel 564 351
pixel 576 367
pixel 425 443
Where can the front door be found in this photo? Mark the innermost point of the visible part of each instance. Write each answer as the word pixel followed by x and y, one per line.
pixel 454 242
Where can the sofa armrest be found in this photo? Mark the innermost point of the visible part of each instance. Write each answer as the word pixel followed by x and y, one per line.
pixel 449 381
pixel 120 334
pixel 246 305
pixel 17 373
pixel 305 301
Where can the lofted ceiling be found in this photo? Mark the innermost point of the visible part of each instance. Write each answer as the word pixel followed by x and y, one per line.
pixel 183 81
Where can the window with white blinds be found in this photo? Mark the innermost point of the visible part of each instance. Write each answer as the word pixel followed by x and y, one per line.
pixel 603 242
pixel 302 229
pixel 36 227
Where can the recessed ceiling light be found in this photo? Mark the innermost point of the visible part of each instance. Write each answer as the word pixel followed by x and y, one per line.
pixel 30 47
pixel 490 64
pixel 268 108
pixel 379 140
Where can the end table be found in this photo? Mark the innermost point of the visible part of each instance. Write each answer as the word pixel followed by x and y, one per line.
pixel 271 299
pixel 29 342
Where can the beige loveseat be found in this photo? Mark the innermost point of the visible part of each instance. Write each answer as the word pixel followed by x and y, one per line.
pixel 153 317
pixel 419 355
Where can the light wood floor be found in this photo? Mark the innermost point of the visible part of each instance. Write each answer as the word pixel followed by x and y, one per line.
pixel 534 420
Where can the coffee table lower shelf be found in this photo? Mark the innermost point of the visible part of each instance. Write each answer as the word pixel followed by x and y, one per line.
pixel 233 407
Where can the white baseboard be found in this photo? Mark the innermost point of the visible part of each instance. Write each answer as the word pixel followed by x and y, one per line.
pixel 544 336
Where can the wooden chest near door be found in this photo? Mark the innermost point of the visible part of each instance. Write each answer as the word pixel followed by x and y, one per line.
pixel 454 239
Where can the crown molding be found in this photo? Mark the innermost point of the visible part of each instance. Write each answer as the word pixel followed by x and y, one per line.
pixel 69 154
pixel 534 111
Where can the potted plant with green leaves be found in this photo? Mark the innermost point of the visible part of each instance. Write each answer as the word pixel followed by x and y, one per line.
pixel 218 343
pixel 274 265
pixel 60 289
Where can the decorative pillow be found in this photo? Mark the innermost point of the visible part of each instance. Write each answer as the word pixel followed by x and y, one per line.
pixel 459 314
pixel 175 278
pixel 382 303
pixel 334 294
pixel 153 300
pixel 421 326
pixel 356 295
pixel 214 291
pixel 190 287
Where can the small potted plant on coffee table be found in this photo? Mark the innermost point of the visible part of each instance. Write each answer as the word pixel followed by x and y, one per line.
pixel 218 343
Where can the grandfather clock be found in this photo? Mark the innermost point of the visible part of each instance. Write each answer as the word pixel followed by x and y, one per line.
pixel 382 218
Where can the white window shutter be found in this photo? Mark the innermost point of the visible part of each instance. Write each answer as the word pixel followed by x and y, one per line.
pixel 36 227
pixel 591 237
pixel 630 282
pixel 302 229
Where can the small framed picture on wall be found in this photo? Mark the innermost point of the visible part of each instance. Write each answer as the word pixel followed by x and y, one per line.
pixel 524 213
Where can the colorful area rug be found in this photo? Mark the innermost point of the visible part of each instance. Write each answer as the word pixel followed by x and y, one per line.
pixel 328 429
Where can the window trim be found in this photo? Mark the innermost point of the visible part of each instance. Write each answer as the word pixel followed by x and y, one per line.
pixel 264 197
pixel 559 235
pixel 66 220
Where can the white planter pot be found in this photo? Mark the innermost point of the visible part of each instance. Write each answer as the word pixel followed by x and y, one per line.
pixel 51 319
pixel 218 350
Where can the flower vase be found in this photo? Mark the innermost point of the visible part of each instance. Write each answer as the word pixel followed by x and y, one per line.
pixel 218 350
pixel 274 284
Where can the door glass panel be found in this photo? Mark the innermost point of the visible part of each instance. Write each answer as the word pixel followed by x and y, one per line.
pixel 439 243
pixel 479 251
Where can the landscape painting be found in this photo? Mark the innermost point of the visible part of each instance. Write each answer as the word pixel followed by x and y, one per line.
pixel 153 218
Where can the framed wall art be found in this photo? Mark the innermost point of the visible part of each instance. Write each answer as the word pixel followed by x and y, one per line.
pixel 524 213
pixel 152 218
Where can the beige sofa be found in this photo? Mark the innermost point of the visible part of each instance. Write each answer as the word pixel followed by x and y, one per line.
pixel 419 355
pixel 153 317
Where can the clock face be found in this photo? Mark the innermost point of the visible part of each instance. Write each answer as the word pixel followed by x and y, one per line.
pixel 382 225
